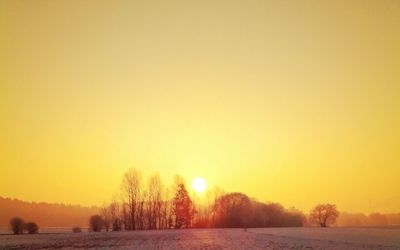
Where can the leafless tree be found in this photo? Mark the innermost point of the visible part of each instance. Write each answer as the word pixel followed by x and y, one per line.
pixel 115 215
pixel 132 186
pixel 166 209
pixel 125 215
pixel 106 214
pixel 140 218
pixel 324 214
pixel 154 203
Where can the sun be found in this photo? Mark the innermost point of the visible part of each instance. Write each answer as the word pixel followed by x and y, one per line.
pixel 199 184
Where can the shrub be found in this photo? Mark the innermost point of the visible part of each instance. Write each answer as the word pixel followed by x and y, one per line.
pixel 32 228
pixel 77 230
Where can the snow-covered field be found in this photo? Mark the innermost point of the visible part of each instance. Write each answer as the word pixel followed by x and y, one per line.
pixel 263 238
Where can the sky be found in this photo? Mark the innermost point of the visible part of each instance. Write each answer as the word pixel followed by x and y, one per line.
pixel 296 102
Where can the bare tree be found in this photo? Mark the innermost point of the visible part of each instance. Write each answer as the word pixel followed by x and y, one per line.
pixel 155 193
pixel 204 216
pixel 141 214
pixel 166 209
pixel 132 185
pixel 165 212
pixel 115 215
pixel 125 215
pixel 106 214
pixel 17 225
pixel 324 214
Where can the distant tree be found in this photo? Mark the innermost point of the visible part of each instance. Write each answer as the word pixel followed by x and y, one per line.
pixel 166 209
pixel 154 201
pixel 270 215
pixel 233 210
pixel 77 230
pixel 115 214
pixel 377 219
pixel 17 225
pixel 106 214
pixel 132 187
pixel 96 223
pixel 140 215
pixel 294 218
pixel 324 215
pixel 182 207
pixel 32 227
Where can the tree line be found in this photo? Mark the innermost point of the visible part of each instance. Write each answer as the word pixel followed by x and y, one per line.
pixel 146 205
pixel 153 205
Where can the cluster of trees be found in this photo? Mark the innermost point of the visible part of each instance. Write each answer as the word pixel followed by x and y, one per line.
pixel 152 205
pixel 238 210
pixel 18 226
pixel 148 205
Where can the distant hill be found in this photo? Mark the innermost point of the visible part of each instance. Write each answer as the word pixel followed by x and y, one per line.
pixel 45 214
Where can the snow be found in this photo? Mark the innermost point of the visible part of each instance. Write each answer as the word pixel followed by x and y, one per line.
pixel 260 238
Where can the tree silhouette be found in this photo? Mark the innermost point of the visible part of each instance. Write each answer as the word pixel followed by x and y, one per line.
pixel 154 202
pixel 106 215
pixel 115 214
pixel 233 210
pixel 96 223
pixel 77 230
pixel 17 225
pixel 155 206
pixel 32 227
pixel 132 185
pixel 182 207
pixel 324 214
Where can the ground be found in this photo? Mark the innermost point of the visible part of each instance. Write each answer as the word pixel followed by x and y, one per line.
pixel 263 238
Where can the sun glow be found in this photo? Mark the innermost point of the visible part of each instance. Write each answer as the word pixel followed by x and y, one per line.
pixel 199 185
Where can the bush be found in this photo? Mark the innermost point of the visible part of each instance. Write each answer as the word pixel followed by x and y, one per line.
pixel 32 228
pixel 77 230
pixel 17 225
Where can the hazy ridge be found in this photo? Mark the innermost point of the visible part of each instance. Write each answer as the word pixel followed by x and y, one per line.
pixel 45 214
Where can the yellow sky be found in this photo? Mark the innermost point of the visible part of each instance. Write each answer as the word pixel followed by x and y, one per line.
pixel 296 102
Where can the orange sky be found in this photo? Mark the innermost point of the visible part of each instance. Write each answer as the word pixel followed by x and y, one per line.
pixel 289 101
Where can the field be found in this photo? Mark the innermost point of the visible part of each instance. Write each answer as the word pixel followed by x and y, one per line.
pixel 265 238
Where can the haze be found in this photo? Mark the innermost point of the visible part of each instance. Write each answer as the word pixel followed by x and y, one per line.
pixel 289 101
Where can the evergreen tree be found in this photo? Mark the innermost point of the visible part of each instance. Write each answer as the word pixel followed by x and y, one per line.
pixel 183 208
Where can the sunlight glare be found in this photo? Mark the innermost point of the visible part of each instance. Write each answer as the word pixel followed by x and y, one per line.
pixel 199 185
